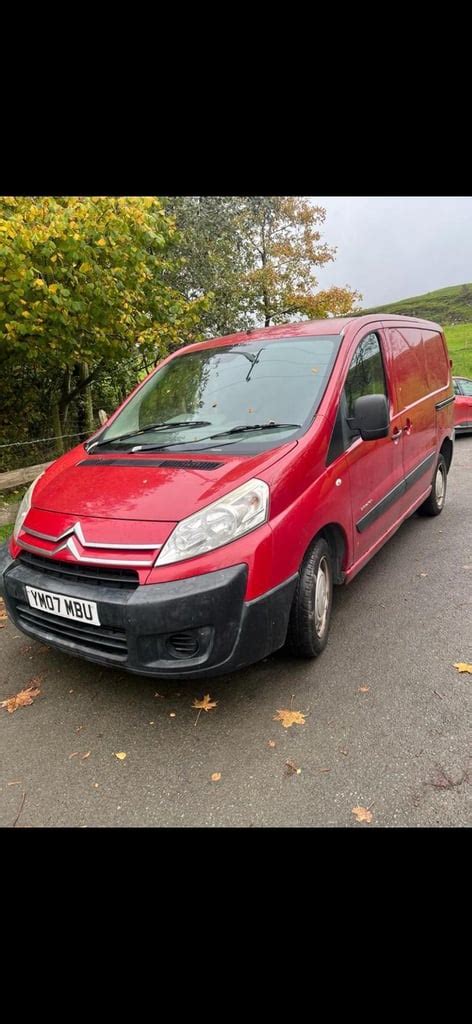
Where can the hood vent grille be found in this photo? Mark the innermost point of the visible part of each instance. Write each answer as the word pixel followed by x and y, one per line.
pixel 139 463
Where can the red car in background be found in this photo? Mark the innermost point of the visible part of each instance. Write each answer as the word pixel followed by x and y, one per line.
pixel 463 405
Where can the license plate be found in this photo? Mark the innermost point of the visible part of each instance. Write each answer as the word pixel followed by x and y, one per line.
pixel 66 607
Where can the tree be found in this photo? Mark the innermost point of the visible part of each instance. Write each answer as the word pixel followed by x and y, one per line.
pixel 82 284
pixel 283 248
pixel 212 260
pixel 255 258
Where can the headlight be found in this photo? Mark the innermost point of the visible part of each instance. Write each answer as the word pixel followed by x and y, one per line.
pixel 237 513
pixel 24 507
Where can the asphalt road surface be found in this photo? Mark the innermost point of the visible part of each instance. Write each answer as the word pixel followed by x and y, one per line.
pixel 387 716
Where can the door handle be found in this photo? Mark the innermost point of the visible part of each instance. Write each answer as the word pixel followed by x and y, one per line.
pixel 396 434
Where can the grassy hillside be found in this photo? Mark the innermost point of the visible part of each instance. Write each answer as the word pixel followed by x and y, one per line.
pixel 445 306
pixel 459 343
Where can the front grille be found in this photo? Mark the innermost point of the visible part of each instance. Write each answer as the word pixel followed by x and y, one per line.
pixel 124 579
pixel 106 639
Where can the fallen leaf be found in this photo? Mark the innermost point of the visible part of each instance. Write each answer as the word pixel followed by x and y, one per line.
pixel 463 666
pixel 16 783
pixel 121 755
pixel 362 814
pixel 271 743
pixel 21 699
pixel 423 573
pixel 84 756
pixel 205 704
pixel 75 754
pixel 362 689
pixel 292 769
pixel 288 717
pixel 172 714
pixel 216 777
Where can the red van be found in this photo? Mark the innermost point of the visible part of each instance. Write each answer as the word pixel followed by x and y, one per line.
pixel 207 522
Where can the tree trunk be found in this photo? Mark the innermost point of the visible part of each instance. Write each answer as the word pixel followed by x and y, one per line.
pixel 56 427
pixel 88 407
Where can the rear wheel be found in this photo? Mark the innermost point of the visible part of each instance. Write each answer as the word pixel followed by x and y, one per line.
pixel 311 609
pixel 435 503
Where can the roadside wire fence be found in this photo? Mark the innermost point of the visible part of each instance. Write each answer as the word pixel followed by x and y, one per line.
pixel 16 454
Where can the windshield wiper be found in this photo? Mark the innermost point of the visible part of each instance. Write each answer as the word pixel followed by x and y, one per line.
pixel 151 426
pixel 211 437
pixel 255 426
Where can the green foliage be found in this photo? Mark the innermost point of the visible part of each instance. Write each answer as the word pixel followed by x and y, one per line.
pixel 445 306
pixel 5 532
pixel 82 279
pixel 254 257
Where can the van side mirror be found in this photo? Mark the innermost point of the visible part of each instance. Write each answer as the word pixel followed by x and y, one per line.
pixel 370 417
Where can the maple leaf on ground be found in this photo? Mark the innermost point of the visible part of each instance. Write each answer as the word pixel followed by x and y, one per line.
pixel 205 704
pixel 288 717
pixel 120 755
pixel 362 814
pixel 463 666
pixel 21 699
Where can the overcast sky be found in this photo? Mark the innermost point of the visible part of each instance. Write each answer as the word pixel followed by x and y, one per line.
pixel 392 247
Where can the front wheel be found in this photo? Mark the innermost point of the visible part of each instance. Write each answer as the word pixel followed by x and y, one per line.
pixel 435 503
pixel 311 609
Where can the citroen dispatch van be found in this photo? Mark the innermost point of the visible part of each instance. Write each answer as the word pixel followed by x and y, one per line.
pixel 207 522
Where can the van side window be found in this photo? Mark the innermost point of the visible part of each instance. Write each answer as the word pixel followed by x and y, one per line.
pixel 466 388
pixel 457 389
pixel 366 373
pixel 365 376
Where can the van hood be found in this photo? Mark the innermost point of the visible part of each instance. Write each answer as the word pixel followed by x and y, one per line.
pixel 152 486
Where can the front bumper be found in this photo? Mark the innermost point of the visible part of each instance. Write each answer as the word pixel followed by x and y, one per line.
pixel 207 614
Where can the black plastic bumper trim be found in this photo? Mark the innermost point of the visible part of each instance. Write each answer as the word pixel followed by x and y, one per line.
pixel 231 632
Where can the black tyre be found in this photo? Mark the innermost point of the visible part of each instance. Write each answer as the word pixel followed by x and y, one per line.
pixel 435 503
pixel 311 609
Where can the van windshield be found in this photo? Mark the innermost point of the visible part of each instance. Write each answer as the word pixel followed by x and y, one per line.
pixel 263 392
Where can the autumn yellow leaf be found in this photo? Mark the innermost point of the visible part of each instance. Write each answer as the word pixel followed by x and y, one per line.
pixel 101 241
pixel 362 814
pixel 120 755
pixel 288 717
pixel 85 267
pixel 38 283
pixel 21 699
pixel 216 777
pixel 205 704
pixel 463 666
pixel 53 288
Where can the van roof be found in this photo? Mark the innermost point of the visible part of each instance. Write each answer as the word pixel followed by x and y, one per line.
pixel 311 328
